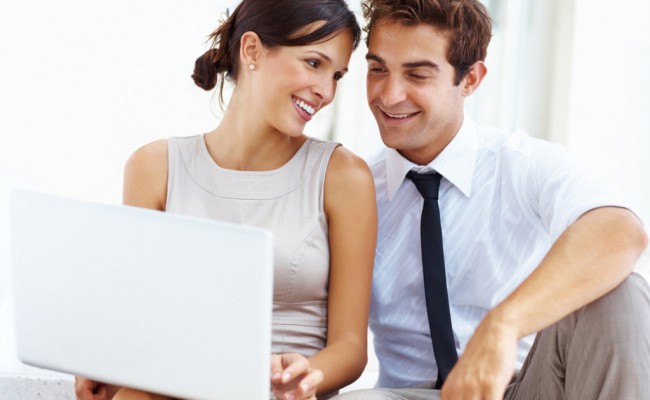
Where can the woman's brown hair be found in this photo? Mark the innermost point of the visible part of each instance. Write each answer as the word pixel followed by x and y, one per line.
pixel 277 23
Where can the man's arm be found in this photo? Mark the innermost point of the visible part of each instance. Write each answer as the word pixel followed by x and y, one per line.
pixel 591 257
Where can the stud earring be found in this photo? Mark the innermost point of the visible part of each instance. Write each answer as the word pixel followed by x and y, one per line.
pixel 251 67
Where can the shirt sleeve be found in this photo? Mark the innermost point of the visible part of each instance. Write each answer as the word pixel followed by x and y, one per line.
pixel 559 190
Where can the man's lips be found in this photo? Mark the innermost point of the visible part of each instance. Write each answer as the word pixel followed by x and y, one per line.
pixel 398 117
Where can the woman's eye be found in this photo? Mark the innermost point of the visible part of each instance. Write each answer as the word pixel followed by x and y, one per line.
pixel 337 76
pixel 313 63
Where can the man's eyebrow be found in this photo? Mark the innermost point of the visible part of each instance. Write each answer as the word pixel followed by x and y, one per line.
pixel 372 57
pixel 423 63
pixel 409 65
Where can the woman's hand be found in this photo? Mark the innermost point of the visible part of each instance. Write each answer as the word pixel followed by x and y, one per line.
pixel 292 378
pixel 87 389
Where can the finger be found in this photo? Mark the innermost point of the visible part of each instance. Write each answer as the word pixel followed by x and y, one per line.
pixel 80 385
pixel 276 368
pixel 295 365
pixel 85 388
pixel 99 391
pixel 290 386
pixel 290 395
pixel 111 390
pixel 309 384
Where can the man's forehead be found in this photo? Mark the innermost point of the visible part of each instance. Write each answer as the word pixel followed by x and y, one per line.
pixel 408 35
pixel 394 42
pixel 396 26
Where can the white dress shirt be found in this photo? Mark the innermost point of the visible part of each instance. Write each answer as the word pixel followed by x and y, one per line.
pixel 504 199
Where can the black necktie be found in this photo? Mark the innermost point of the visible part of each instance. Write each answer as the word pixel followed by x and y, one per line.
pixel 433 269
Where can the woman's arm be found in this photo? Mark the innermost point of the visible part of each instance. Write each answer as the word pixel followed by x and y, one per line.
pixel 351 210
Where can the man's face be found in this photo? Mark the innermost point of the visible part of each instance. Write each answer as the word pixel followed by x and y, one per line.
pixel 410 88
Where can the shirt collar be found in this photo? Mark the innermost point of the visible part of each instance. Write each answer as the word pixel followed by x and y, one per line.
pixel 455 163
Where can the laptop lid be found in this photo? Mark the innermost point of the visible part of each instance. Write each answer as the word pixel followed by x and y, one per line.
pixel 166 303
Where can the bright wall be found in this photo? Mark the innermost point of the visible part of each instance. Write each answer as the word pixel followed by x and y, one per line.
pixel 84 83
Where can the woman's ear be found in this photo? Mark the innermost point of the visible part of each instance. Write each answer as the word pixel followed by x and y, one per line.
pixel 250 50
pixel 473 79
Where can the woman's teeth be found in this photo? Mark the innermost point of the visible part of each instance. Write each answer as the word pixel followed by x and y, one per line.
pixel 308 109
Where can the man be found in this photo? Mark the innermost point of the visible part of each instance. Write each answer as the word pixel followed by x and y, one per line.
pixel 530 242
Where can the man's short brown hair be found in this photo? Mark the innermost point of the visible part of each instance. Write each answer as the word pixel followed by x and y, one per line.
pixel 467 23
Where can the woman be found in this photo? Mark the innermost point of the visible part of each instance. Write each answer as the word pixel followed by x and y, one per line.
pixel 259 168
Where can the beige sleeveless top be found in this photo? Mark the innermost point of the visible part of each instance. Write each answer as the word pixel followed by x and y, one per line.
pixel 289 202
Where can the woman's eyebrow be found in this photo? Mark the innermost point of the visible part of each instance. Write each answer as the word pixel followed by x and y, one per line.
pixel 323 55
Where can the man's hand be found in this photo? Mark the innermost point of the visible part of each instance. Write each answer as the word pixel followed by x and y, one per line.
pixel 486 367
pixel 87 389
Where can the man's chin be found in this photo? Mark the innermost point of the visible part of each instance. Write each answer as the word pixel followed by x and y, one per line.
pixel 393 140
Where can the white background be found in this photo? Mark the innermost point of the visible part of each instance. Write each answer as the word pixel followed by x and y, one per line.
pixel 84 83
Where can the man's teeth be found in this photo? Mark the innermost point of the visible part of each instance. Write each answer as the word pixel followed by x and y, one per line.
pixel 398 115
pixel 308 109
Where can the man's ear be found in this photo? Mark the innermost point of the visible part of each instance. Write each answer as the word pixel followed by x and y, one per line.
pixel 250 49
pixel 474 77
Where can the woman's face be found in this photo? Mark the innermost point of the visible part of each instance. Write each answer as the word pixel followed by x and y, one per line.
pixel 292 83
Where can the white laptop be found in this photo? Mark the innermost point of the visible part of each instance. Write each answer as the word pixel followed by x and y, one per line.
pixel 166 303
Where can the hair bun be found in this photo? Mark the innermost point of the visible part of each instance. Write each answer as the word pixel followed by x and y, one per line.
pixel 206 70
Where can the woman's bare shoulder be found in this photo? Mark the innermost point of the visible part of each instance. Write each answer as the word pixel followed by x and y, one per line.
pixel 347 168
pixel 348 179
pixel 145 176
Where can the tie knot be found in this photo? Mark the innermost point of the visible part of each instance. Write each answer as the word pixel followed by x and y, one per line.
pixel 427 184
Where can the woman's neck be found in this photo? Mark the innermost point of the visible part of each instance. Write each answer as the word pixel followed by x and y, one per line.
pixel 246 143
